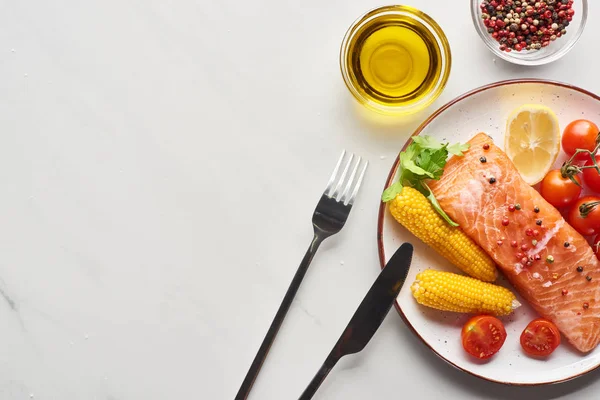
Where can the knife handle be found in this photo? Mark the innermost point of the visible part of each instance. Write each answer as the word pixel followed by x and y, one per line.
pixel 320 376
pixel 279 317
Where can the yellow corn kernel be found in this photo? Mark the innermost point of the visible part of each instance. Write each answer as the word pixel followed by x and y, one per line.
pixel 452 292
pixel 414 211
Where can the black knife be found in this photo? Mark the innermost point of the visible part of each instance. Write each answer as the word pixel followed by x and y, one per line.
pixel 368 316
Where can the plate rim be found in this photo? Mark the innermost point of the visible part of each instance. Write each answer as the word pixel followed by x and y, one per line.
pixel 382 208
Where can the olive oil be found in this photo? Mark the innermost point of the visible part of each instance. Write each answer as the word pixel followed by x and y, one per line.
pixel 395 60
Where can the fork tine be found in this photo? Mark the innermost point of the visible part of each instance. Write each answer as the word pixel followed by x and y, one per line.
pixel 336 192
pixel 350 182
pixel 358 183
pixel 335 171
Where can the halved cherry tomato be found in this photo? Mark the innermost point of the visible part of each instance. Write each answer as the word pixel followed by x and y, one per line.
pixel 580 134
pixel 558 190
pixel 540 338
pixel 584 216
pixel 596 246
pixel 591 177
pixel 483 336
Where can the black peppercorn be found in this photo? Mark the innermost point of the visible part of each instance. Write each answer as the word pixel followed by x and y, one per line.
pixel 580 269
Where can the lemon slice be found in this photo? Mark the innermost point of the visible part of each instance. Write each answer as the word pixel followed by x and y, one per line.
pixel 532 141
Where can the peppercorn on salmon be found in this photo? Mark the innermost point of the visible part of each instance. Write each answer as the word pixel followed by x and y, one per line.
pixel 452 292
pixel 412 209
pixel 546 260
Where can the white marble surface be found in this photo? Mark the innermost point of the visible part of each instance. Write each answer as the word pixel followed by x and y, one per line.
pixel 159 165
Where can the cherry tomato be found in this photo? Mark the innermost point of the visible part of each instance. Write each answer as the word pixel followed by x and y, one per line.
pixel 540 338
pixel 483 336
pixel 596 246
pixel 584 216
pixel 591 177
pixel 580 134
pixel 560 191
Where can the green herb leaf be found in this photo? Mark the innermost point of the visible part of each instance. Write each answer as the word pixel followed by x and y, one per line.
pixel 391 192
pixel 411 151
pixel 408 158
pixel 410 165
pixel 428 142
pixel 424 158
pixel 458 148
pixel 438 208
pixel 433 161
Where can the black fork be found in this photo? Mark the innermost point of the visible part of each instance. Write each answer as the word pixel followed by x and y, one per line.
pixel 328 219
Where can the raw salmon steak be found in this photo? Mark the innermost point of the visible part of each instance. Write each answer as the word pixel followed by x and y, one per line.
pixel 535 248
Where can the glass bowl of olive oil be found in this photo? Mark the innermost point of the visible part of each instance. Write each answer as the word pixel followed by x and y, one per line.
pixel 395 60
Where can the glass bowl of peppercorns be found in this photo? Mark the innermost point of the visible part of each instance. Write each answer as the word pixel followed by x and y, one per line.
pixel 529 32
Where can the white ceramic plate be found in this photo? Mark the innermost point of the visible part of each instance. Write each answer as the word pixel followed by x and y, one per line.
pixel 486 109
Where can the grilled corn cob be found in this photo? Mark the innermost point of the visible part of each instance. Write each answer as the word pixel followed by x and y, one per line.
pixel 452 292
pixel 412 209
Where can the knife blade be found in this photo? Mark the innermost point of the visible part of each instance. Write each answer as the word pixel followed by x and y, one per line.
pixel 368 316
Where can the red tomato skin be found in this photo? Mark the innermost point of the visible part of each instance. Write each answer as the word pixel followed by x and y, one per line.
pixel 483 331
pixel 559 191
pixel 591 177
pixel 545 332
pixel 596 246
pixel 579 134
pixel 589 225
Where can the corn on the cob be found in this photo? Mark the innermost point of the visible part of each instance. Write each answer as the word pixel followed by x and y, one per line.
pixel 452 292
pixel 411 209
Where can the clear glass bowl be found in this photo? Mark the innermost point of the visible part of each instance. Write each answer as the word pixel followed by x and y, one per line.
pixel 553 52
pixel 418 17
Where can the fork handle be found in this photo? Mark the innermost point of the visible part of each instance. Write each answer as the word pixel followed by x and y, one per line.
pixel 279 317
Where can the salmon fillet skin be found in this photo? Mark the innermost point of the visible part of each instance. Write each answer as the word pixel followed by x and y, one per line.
pixel 543 263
